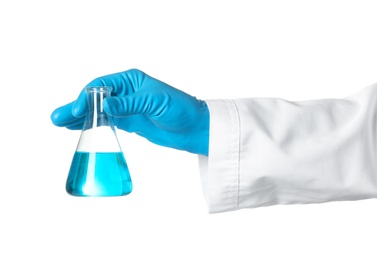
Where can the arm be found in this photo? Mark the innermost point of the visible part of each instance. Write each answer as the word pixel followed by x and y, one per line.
pixel 271 151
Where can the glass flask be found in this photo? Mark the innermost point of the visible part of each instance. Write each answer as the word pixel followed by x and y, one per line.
pixel 98 166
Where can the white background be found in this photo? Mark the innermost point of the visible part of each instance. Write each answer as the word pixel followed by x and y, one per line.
pixel 49 50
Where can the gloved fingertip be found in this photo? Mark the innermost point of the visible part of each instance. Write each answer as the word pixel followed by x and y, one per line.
pixel 55 116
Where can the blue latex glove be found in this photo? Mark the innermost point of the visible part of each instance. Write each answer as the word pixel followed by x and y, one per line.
pixel 162 114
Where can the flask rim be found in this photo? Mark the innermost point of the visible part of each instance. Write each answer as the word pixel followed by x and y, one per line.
pixel 96 89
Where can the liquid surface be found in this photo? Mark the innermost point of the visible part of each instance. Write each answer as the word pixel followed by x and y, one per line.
pixel 98 174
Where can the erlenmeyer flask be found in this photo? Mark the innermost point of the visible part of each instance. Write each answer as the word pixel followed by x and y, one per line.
pixel 98 167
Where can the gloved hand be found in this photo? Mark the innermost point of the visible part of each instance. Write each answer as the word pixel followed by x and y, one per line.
pixel 162 114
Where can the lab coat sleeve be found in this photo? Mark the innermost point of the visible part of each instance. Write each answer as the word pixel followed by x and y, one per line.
pixel 268 151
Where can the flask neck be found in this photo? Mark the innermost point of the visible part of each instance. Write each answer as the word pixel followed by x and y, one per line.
pixel 96 115
pixel 98 134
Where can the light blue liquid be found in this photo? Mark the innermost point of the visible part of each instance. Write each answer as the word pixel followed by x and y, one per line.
pixel 98 174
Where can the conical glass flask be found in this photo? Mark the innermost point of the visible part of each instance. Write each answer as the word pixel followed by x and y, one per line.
pixel 98 166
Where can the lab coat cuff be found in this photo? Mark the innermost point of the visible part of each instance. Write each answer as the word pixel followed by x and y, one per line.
pixel 220 170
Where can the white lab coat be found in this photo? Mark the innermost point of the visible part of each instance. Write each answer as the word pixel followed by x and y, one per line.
pixel 265 152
